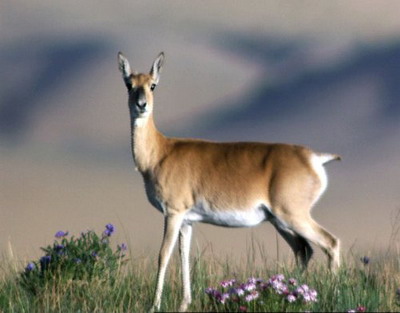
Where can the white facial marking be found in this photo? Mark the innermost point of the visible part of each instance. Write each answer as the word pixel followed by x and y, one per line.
pixel 140 121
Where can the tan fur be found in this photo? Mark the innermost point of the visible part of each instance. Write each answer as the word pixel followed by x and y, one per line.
pixel 281 181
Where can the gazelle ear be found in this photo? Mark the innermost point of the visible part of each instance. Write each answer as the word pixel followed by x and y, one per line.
pixel 156 68
pixel 125 69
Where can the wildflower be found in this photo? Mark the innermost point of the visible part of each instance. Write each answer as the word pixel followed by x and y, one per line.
pixel 109 230
pixel 313 295
pixel 291 298
pixel 30 267
pixel 248 286
pixel 365 260
pixel 209 291
pixel 307 297
pixel 61 234
pixel 122 247
pixel 278 277
pixel 218 296
pixel 351 311
pixel 361 309
pixel 77 260
pixel 301 290
pixel 45 261
pixel 276 282
pixel 253 280
pixel 252 296
pixel 227 283
pixel 293 281
pixel 236 291
pixel 59 249
pixel 223 298
pixel 305 288
pixel 242 308
pixel 279 287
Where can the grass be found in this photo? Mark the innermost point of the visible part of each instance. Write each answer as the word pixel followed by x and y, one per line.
pixel 373 286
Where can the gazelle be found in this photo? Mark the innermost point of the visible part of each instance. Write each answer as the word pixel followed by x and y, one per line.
pixel 227 184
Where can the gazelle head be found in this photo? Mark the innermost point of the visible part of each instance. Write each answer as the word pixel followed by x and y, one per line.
pixel 140 86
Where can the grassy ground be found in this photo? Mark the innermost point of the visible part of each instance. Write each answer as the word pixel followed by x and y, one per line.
pixel 373 286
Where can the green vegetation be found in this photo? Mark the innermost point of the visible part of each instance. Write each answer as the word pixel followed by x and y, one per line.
pixel 84 274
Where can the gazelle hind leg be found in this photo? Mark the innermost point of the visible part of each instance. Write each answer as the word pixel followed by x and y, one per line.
pixel 185 235
pixel 312 231
pixel 300 246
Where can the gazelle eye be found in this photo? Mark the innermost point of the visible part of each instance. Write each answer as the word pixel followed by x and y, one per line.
pixel 152 87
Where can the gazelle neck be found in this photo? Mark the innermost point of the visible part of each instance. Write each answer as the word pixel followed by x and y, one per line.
pixel 148 144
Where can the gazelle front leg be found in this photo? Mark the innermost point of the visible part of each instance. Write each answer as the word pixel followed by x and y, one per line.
pixel 172 225
pixel 185 235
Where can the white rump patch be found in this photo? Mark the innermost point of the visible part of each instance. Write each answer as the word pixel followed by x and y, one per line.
pixel 317 162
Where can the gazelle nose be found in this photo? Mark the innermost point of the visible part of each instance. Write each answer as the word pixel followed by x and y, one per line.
pixel 142 105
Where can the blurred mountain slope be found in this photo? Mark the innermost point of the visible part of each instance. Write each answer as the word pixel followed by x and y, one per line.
pixel 323 74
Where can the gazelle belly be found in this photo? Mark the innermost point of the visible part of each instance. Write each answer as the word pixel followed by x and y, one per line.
pixel 249 217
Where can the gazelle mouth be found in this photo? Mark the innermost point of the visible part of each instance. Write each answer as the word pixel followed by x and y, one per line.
pixel 141 108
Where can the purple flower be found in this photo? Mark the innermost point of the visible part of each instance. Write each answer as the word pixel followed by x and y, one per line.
pixel 305 288
pixel 227 283
pixel 277 283
pixel 248 286
pixel 59 249
pixel 224 297
pixel 77 260
pixel 313 295
pixel 44 262
pixel 30 267
pixel 293 281
pixel 253 280
pixel 278 277
pixel 109 230
pixel 291 298
pixel 218 296
pixel 365 260
pixel 251 297
pixel 61 234
pixel 122 247
pixel 209 291
pixel 302 290
pixel 361 308
pixel 242 308
pixel 309 295
pixel 279 287
pixel 236 291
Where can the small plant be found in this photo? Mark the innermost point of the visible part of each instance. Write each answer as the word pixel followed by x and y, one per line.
pixel 255 293
pixel 82 258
